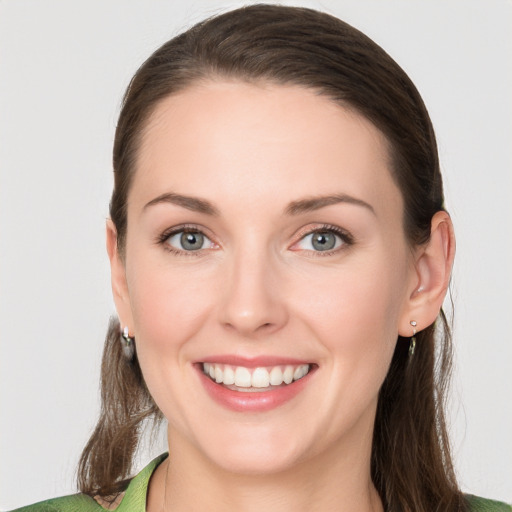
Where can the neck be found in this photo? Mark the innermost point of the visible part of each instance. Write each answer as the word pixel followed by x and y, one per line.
pixel 336 481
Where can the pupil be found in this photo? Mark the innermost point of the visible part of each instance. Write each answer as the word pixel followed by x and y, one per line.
pixel 324 241
pixel 192 241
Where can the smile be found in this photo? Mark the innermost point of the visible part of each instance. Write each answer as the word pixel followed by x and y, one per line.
pixel 254 386
pixel 240 378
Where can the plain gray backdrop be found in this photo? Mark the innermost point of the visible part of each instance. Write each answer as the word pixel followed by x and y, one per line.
pixel 63 68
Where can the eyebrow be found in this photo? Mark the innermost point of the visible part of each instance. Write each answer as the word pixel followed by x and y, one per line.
pixel 190 203
pixel 294 208
pixel 315 203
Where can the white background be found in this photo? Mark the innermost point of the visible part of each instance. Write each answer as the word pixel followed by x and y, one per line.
pixel 63 68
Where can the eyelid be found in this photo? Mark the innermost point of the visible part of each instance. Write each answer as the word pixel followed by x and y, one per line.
pixel 186 228
pixel 346 238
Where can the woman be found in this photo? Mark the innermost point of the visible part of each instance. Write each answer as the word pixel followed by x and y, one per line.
pixel 280 253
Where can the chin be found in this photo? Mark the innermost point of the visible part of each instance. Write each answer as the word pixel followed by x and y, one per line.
pixel 256 453
pixel 253 462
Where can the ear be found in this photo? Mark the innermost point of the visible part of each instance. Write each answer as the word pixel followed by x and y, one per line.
pixel 433 266
pixel 118 278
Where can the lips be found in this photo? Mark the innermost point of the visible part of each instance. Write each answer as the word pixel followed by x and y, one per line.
pixel 253 385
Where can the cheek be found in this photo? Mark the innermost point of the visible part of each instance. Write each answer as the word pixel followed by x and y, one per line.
pixel 362 299
pixel 163 295
pixel 169 306
pixel 355 313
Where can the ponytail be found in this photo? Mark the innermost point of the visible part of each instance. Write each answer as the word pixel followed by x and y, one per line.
pixel 106 461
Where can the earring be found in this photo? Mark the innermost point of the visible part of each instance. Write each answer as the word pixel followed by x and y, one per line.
pixel 128 344
pixel 412 342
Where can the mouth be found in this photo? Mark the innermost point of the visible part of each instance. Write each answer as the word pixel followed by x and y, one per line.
pixel 250 386
pixel 260 379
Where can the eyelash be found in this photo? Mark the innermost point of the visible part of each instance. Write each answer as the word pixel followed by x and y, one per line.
pixel 346 238
pixel 162 239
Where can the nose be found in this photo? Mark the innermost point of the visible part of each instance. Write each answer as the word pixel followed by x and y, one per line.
pixel 253 302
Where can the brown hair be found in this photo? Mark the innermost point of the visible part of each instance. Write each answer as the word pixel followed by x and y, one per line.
pixel 411 463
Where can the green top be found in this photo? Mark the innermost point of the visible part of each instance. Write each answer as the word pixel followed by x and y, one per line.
pixel 134 499
pixel 477 504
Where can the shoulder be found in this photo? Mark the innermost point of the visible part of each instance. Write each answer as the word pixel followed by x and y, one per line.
pixel 477 504
pixel 73 503
pixel 132 500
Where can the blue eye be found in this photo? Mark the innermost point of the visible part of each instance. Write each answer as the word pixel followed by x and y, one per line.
pixel 321 241
pixel 189 241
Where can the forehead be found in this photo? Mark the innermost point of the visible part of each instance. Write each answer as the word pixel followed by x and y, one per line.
pixel 260 142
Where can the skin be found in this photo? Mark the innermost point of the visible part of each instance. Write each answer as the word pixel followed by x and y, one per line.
pixel 258 287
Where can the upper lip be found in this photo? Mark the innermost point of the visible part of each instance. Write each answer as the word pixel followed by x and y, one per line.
pixel 253 362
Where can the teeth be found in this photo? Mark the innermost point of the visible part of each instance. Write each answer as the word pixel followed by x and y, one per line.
pixel 298 373
pixel 255 378
pixel 229 376
pixel 288 374
pixel 276 376
pixel 260 378
pixel 242 377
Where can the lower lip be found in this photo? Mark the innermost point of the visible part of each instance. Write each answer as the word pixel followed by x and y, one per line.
pixel 253 401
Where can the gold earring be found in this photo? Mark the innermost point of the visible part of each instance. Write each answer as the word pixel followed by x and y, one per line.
pixel 412 342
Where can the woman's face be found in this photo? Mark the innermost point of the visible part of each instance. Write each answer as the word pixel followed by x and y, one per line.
pixel 264 239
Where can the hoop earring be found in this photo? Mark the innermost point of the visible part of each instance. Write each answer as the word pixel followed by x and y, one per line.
pixel 128 344
pixel 412 342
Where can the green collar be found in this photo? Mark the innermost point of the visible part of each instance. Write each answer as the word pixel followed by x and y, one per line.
pixel 136 493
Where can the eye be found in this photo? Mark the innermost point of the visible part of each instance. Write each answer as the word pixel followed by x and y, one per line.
pixel 189 241
pixel 323 240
